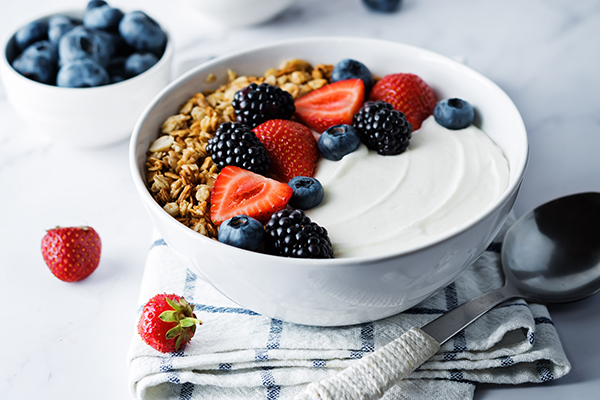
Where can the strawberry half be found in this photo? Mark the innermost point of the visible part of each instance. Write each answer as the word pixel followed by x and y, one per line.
pixel 331 104
pixel 71 253
pixel 409 94
pixel 291 146
pixel 238 191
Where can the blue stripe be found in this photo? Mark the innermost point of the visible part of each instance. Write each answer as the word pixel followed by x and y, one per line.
pixel 225 367
pixel 319 363
pixel 186 392
pixel 367 336
pixel 223 310
pixel 451 296
pixel 543 320
pixel 261 355
pixel 268 381
pixel 189 286
pixel 159 242
pixel 544 372
pixel 355 355
pixel 424 310
pixel 274 339
pixel 456 375
pixel 506 361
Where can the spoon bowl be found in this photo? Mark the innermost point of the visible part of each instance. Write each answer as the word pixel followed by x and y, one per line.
pixel 552 254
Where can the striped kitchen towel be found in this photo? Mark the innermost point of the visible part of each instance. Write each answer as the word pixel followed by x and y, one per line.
pixel 239 354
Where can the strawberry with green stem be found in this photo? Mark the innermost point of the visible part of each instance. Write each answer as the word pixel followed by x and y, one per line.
pixel 167 322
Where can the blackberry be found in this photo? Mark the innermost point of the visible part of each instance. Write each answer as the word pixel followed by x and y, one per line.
pixel 382 128
pixel 236 144
pixel 256 104
pixel 290 233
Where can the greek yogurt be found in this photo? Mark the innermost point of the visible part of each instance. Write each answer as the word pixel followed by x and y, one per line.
pixel 376 205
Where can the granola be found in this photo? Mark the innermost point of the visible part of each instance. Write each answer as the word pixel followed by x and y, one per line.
pixel 180 173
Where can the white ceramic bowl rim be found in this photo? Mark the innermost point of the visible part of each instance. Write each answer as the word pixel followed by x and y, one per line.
pixel 164 58
pixel 255 256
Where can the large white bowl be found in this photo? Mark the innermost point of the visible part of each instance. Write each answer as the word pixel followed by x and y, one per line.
pixel 347 290
pixel 82 117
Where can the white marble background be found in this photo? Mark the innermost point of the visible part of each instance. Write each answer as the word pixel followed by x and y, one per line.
pixel 68 341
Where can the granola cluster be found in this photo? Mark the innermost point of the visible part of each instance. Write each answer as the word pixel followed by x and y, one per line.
pixel 180 173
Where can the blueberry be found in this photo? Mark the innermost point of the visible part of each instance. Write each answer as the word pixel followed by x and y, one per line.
pixel 38 62
pixel 307 192
pixel 352 69
pixel 95 3
pixel 337 141
pixel 58 25
pixel 116 69
pixel 242 231
pixel 104 17
pixel 137 63
pixel 82 73
pixel 31 33
pixel 454 113
pixel 81 42
pixel 142 33
pixel 386 6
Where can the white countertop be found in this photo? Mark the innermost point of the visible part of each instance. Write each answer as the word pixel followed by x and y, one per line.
pixel 69 341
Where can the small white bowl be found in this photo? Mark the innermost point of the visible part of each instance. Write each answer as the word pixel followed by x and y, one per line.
pixel 236 13
pixel 342 291
pixel 82 117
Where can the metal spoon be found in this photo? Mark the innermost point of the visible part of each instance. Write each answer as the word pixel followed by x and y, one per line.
pixel 550 255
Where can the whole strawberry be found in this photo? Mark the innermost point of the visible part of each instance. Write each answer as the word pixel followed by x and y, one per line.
pixel 409 94
pixel 167 322
pixel 71 253
pixel 291 146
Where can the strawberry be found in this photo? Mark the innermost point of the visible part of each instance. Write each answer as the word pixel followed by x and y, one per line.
pixel 167 322
pixel 291 146
pixel 238 191
pixel 408 94
pixel 72 253
pixel 331 104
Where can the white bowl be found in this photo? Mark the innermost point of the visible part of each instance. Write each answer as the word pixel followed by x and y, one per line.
pixel 235 13
pixel 341 291
pixel 82 117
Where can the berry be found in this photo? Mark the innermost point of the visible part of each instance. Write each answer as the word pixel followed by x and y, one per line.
pixel 235 144
pixel 31 33
pixel 167 322
pixel 116 69
pixel 383 128
pixel 385 6
pixel 408 94
pixel 331 104
pixel 142 32
pixel 237 191
pixel 81 43
pixel 242 231
pixel 351 69
pixel 454 113
pixel 104 17
pixel 291 146
pixel 72 253
pixel 307 192
pixel 58 25
pixel 38 62
pixel 95 3
pixel 140 62
pixel 290 233
pixel 337 141
pixel 256 104
pixel 82 73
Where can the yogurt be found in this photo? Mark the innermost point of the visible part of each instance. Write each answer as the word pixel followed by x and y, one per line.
pixel 376 205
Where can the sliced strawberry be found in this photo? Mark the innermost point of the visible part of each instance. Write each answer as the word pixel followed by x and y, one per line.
pixel 291 146
pixel 409 94
pixel 332 104
pixel 238 191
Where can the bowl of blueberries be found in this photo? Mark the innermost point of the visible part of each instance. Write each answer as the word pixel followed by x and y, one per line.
pixel 83 77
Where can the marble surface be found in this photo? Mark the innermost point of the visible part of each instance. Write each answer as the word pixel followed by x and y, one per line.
pixel 68 341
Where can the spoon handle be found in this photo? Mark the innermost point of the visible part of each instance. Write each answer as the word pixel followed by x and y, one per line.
pixel 372 376
pixel 457 319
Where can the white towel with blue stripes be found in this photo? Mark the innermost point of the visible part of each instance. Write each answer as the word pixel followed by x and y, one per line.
pixel 239 354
